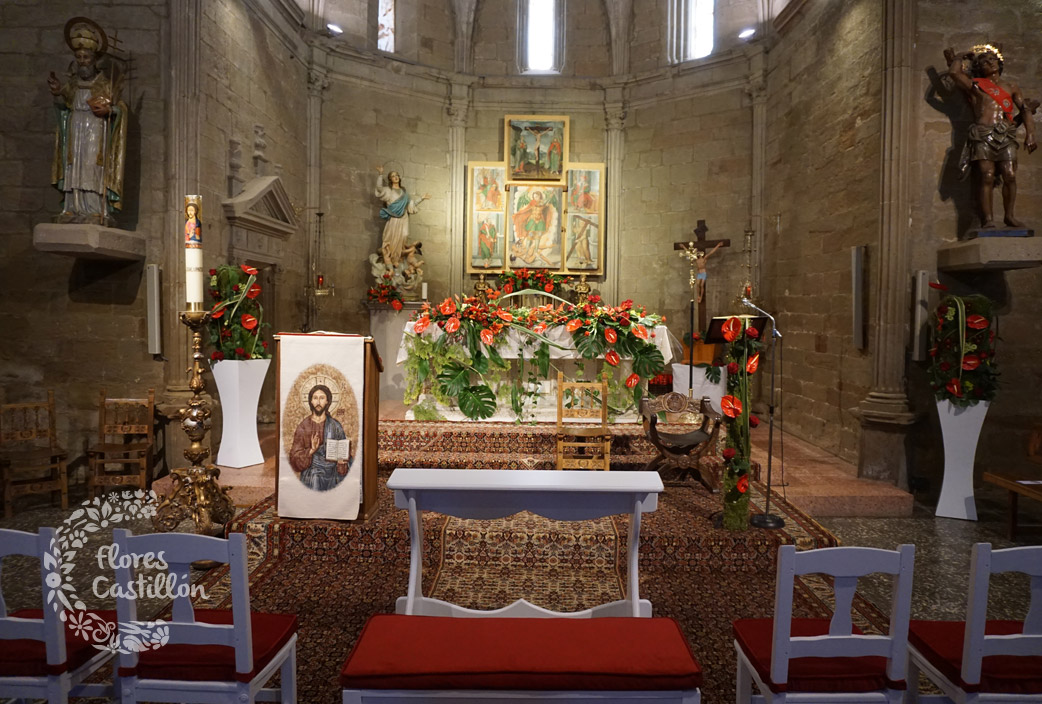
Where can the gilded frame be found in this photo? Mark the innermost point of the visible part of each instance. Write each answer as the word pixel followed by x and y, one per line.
pixel 487 198
pixel 534 226
pixel 584 234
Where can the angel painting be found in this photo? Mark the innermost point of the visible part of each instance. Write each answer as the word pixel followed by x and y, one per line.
pixel 535 223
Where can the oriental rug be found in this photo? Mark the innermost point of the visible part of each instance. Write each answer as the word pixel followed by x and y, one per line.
pixel 335 575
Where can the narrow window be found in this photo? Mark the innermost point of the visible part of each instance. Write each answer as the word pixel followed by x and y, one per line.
pixel 385 31
pixel 690 29
pixel 540 31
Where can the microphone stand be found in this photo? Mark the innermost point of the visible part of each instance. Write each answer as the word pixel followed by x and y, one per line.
pixel 768 519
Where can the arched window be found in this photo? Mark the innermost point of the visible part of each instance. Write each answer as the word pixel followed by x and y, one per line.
pixel 690 29
pixel 540 36
pixel 385 26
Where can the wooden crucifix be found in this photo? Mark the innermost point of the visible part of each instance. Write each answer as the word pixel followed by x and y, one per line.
pixel 695 253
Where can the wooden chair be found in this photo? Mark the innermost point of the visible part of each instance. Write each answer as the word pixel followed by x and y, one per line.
pixel 682 451
pixel 28 449
pixel 827 660
pixel 211 655
pixel 983 660
pixel 126 434
pixel 578 446
pixel 39 657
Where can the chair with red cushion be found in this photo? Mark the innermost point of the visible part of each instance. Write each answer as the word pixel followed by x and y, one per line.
pixel 211 655
pixel 827 660
pixel 39 657
pixel 982 660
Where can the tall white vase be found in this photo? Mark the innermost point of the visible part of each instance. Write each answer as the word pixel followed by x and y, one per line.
pixel 238 386
pixel 960 428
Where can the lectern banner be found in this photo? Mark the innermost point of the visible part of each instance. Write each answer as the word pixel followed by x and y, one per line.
pixel 321 387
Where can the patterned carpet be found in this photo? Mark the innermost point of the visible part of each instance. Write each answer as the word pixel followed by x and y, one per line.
pixel 335 575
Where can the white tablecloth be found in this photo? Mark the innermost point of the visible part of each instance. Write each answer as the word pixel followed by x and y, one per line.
pixel 700 386
pixel 513 342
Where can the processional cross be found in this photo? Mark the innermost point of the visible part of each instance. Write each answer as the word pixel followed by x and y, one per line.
pixel 694 252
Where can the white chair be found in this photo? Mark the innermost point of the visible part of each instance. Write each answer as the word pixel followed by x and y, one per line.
pixel 39 657
pixel 980 660
pixel 827 660
pixel 212 655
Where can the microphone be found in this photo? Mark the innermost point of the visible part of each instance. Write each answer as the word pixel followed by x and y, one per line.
pixel 774 325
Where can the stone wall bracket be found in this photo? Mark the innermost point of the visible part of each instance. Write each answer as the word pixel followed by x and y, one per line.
pixel 89 241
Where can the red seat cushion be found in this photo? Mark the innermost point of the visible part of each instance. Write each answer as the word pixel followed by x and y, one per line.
pixel 940 642
pixel 441 653
pixel 846 674
pixel 216 663
pixel 23 657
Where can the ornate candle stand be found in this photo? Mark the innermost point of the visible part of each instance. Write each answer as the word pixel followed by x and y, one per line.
pixel 196 492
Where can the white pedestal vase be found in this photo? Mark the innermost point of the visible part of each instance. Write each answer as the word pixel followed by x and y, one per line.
pixel 238 387
pixel 960 428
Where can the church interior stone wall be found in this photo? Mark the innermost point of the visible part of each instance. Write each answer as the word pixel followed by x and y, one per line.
pixel 823 172
pixel 687 153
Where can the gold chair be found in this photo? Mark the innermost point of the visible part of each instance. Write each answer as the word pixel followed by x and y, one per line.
pixel 125 439
pixel 28 448
pixel 581 446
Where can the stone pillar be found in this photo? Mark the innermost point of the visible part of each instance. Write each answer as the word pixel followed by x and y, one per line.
pixel 614 146
pixel 885 413
pixel 464 11
pixel 757 92
pixel 183 147
pixel 620 13
pixel 458 108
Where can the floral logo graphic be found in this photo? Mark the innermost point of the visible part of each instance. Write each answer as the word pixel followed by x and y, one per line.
pixel 94 515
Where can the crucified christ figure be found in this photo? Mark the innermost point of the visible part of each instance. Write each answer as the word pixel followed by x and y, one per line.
pixel 700 262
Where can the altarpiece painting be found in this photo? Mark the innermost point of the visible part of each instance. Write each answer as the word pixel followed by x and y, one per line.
pixel 536 147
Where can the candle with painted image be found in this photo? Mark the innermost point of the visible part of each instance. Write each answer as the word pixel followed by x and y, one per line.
pixel 194 252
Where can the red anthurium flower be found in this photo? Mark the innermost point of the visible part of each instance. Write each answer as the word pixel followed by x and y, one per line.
pixel 452 324
pixel 574 324
pixel 486 336
pixel 939 286
pixel 743 484
pixel 732 367
pixel 732 329
pixel 503 315
pixel 753 363
pixel 977 322
pixel 640 331
pixel 610 335
pixel 396 304
pixel 954 388
pixel 731 406
pixel 970 362
pixel 632 380
pixel 508 287
pixel 752 332
pixel 548 288
pixel 249 270
pixel 612 358
pixel 729 453
pixel 254 291
pixel 421 325
pixel 248 321
pixel 218 311
pixel 539 327
pixel 447 307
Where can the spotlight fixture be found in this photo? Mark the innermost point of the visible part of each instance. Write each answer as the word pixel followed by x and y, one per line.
pixel 746 33
pixel 334 29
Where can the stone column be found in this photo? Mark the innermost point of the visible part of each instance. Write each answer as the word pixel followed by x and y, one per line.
pixel 458 108
pixel 757 92
pixel 183 147
pixel 620 13
pixel 885 412
pixel 614 146
pixel 464 11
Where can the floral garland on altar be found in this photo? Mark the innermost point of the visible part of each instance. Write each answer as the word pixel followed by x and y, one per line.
pixel 540 280
pixel 743 360
pixel 464 364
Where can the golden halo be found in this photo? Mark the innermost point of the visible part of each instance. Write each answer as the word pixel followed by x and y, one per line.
pixel 343 406
pixel 94 27
pixel 981 48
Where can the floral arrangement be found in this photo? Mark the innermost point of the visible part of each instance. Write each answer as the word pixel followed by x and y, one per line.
pixel 386 292
pixel 536 279
pixel 962 357
pixel 743 360
pixel 475 329
pixel 236 318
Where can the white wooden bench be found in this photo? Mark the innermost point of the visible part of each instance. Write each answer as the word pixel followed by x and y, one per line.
pixel 521 652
